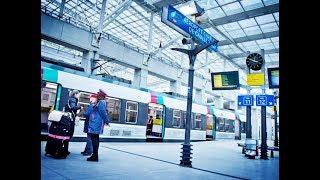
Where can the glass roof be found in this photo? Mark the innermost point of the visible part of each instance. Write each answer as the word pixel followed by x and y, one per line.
pixel 131 27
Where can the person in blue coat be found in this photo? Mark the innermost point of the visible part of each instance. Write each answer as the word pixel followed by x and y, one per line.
pixel 98 117
pixel 88 149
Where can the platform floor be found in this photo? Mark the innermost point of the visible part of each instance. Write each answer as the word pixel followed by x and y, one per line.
pixel 221 159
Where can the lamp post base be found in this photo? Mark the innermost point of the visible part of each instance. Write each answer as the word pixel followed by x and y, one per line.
pixel 186 155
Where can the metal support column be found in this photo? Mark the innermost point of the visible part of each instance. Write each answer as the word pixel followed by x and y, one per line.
pixel 63 2
pixel 150 38
pixel 192 53
pixel 102 13
pixel 264 147
pixel 276 141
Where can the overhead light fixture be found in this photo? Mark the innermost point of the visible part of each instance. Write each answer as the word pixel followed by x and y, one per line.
pixel 188 9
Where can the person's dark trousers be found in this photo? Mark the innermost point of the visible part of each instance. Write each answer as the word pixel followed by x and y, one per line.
pixel 71 135
pixel 95 146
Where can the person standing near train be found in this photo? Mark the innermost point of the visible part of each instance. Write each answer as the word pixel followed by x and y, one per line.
pixel 88 149
pixel 98 117
pixel 72 106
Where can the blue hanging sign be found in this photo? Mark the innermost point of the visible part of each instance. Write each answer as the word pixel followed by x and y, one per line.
pixel 179 22
pixel 264 100
pixel 245 100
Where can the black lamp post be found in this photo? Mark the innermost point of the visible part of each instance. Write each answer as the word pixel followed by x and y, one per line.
pixel 276 141
pixel 192 54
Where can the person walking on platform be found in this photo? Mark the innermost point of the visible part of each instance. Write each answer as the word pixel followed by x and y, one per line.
pixel 149 125
pixel 88 149
pixel 98 117
pixel 72 106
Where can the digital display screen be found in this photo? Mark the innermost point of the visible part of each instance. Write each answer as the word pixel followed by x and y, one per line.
pixel 273 78
pixel 179 22
pixel 225 80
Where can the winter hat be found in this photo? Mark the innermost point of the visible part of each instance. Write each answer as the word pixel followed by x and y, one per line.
pixel 101 94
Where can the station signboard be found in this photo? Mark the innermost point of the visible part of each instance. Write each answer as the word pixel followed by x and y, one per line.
pixel 245 100
pixel 264 100
pixel 182 24
pixel 255 79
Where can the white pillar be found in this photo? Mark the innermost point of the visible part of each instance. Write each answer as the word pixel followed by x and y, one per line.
pixel 86 62
pixel 140 78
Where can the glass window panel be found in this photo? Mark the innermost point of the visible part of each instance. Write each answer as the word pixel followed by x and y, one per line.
pixel 252 30
pixel 251 4
pixel 220 124
pixel 247 23
pixel 237 33
pixel 131 112
pixel 131 116
pixel 114 109
pixel 222 2
pixel 197 121
pixel 276 15
pixel 263 41
pixel 233 8
pixel 275 39
pixel 269 27
pixel 231 26
pixel 176 118
pixel 216 13
pixel 267 46
pixel 265 19
pixel 269 2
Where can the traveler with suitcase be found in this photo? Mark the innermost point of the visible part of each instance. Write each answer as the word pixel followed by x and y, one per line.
pixel 61 131
pixel 98 117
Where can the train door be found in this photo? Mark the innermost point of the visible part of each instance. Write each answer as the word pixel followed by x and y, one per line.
pixel 49 101
pixel 155 125
pixel 209 127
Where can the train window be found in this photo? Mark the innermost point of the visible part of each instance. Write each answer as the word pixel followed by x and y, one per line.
pixel 243 127
pixel 176 118
pixel 184 117
pixel 114 109
pixel 198 121
pixel 131 112
pixel 48 95
pixel 229 125
pixel 220 126
pixel 48 102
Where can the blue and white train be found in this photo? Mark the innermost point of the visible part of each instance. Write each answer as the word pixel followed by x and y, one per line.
pixel 129 109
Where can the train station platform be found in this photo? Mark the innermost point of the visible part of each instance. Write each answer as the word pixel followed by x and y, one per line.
pixel 221 159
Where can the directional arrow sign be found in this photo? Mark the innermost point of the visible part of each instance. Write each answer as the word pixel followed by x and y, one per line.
pixel 264 100
pixel 245 100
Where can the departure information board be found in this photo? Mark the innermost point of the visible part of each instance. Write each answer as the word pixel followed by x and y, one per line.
pixel 273 78
pixel 225 80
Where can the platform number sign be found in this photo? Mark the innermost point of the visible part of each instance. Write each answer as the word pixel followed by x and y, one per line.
pixel 245 100
pixel 264 100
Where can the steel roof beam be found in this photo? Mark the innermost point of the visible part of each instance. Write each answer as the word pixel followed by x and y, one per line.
pixel 244 15
pixel 111 17
pixel 239 55
pixel 250 38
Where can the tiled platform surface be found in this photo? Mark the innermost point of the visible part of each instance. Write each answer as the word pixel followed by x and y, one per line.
pixel 220 159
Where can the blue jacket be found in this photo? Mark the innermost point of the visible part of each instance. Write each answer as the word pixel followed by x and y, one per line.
pixel 98 117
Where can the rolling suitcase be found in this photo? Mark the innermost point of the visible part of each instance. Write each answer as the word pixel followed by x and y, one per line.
pixel 59 137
